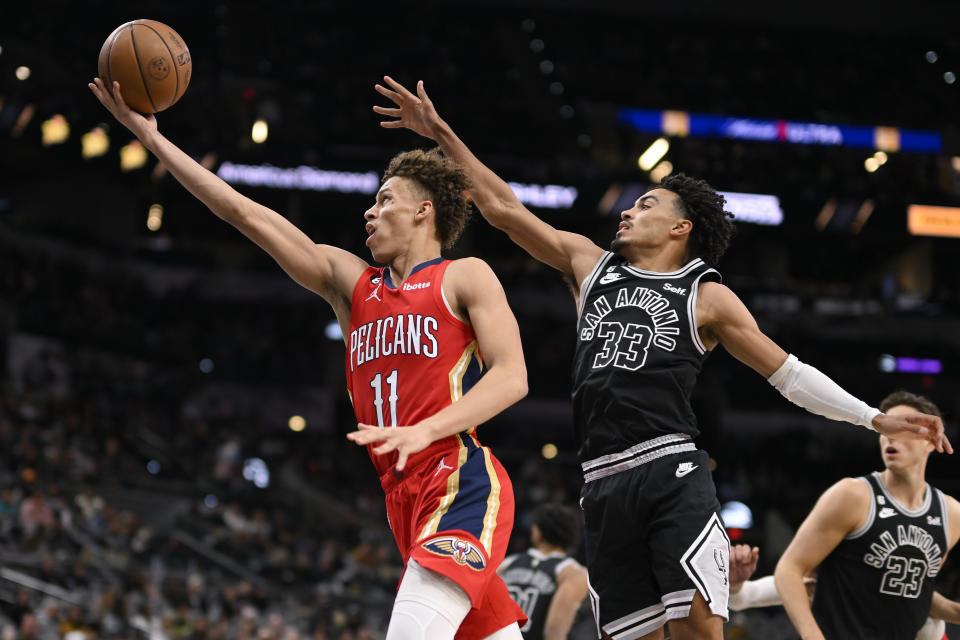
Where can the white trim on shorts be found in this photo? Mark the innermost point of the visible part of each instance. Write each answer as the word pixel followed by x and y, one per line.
pixel 636 455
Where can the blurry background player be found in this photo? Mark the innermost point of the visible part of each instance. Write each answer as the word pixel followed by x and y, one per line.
pixel 548 584
pixel 415 331
pixel 877 543
pixel 651 309
pixel 762 592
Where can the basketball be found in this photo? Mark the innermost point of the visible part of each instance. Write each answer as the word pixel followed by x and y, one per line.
pixel 150 61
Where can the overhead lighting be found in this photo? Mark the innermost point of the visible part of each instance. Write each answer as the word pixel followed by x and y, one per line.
pixel 22 73
pixel 94 143
pixel 881 157
pixel 132 156
pixel 260 131
pixel 942 222
pixel 549 451
pixel 931 56
pixel 297 423
pixel 649 158
pixel 871 164
pixel 54 130
pixel 863 214
pixel 26 115
pixel 661 171
pixel 154 222
pixel 955 163
pixel 949 77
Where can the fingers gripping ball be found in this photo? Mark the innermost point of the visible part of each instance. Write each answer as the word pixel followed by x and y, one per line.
pixel 151 63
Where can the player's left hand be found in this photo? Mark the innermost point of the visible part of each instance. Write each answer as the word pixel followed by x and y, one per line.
pixel 914 426
pixel 404 440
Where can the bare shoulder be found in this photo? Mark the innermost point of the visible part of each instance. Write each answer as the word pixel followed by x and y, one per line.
pixel 583 252
pixel 468 272
pixel 847 497
pixel 572 570
pixel 953 517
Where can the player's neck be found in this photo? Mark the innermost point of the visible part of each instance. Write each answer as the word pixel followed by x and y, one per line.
pixel 659 259
pixel 547 549
pixel 907 486
pixel 417 253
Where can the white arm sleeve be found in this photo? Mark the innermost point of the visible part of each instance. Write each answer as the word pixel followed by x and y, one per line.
pixel 804 386
pixel 755 593
pixel 932 630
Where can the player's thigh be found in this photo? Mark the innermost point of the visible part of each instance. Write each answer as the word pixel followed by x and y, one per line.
pixel 700 624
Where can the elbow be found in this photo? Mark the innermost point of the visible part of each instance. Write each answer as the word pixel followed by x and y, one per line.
pixel 520 385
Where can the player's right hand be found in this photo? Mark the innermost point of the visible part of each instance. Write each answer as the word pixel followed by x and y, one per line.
pixel 914 426
pixel 139 124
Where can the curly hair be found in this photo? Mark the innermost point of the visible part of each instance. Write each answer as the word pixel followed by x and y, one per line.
pixel 713 227
pixel 907 399
pixel 441 181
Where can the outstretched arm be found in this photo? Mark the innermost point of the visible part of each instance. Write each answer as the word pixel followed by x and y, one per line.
pixel 472 288
pixel 839 511
pixel 569 253
pixel 725 320
pixel 326 270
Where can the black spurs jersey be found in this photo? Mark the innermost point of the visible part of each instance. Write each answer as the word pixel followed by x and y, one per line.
pixel 637 357
pixel 531 578
pixel 877 584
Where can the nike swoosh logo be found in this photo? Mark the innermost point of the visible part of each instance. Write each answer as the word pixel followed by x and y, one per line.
pixel 680 473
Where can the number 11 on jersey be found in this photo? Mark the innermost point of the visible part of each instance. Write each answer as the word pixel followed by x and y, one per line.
pixel 377 385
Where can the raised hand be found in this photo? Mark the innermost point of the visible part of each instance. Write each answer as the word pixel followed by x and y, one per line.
pixel 414 112
pixel 404 440
pixel 743 562
pixel 140 125
pixel 914 426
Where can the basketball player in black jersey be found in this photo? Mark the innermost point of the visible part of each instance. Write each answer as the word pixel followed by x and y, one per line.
pixel 547 583
pixel 649 312
pixel 879 541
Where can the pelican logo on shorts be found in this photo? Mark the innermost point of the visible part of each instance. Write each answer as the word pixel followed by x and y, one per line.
pixel 463 552
pixel 159 69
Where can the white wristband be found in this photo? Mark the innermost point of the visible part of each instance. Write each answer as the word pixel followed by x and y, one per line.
pixel 805 386
pixel 755 593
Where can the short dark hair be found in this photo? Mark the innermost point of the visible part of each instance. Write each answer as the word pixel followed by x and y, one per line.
pixel 558 524
pixel 443 182
pixel 700 203
pixel 907 399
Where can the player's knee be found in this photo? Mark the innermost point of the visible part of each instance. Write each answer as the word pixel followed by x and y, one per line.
pixel 428 606
pixel 509 632
pixel 412 620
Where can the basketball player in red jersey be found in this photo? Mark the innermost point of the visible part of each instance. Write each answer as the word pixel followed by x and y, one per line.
pixel 415 331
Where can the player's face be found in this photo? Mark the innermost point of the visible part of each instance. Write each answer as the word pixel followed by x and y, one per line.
pixel 649 221
pixel 390 221
pixel 900 453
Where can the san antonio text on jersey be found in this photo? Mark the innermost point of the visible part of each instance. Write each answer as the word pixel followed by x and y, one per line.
pixel 878 582
pixel 637 358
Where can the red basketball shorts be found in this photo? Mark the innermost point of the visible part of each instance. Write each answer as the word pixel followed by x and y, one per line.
pixel 453 514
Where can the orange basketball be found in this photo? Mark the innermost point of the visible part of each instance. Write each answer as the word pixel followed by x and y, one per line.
pixel 151 63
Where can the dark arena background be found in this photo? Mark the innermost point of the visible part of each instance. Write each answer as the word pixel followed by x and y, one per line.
pixel 173 408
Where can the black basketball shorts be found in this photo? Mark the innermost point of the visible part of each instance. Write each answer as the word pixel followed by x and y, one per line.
pixel 653 539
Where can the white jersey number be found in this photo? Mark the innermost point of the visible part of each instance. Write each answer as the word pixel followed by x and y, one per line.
pixel 377 385
pixel 527 600
pixel 624 347
pixel 904 577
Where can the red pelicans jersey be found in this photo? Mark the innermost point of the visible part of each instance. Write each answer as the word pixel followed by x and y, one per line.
pixel 408 356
